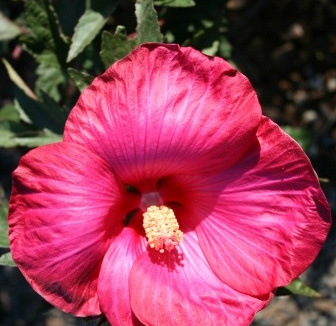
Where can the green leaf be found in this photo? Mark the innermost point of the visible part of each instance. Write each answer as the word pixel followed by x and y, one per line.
pixel 104 7
pixel 17 80
pixel 46 42
pixel 13 134
pixel 7 260
pixel 299 288
pixel 44 30
pixel 225 47
pixel 8 29
pixel 44 114
pixel 60 40
pixel 213 49
pixel 175 3
pixel 50 75
pixel 81 79
pixel 115 46
pixel 37 22
pixel 8 130
pixel 88 27
pixel 9 113
pixel 148 29
pixel 4 241
pixel 303 137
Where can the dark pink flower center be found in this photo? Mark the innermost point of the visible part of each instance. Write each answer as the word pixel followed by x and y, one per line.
pixel 159 221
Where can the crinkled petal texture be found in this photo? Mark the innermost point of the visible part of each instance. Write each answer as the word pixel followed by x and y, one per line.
pixel 113 284
pixel 163 106
pixel 64 211
pixel 180 288
pixel 269 218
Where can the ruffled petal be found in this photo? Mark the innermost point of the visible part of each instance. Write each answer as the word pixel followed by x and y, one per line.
pixel 63 212
pixel 180 289
pixel 166 109
pixel 113 287
pixel 262 222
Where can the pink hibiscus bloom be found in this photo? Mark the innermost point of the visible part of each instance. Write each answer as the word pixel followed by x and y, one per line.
pixel 171 200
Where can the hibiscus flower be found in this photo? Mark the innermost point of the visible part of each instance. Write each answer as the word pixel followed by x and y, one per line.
pixel 170 201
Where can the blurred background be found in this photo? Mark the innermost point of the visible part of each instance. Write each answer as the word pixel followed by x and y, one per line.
pixel 286 48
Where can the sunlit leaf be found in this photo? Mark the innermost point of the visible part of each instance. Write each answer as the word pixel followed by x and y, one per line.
pixel 4 242
pixel 8 29
pixel 212 50
pixel 17 80
pixel 7 260
pixel 115 46
pixel 8 132
pixel 9 113
pixel 148 29
pixel 13 134
pixel 324 180
pixel 88 27
pixel 46 42
pixel 225 47
pixel 175 3
pixel 42 138
pixel 299 288
pixel 50 75
pixel 81 79
pixel 45 31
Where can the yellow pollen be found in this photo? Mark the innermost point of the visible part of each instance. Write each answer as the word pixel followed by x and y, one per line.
pixel 162 228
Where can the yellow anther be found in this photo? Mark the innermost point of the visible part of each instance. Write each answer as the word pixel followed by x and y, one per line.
pixel 162 228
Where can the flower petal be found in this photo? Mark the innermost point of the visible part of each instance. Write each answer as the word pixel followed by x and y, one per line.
pixel 63 213
pixel 270 217
pixel 179 288
pixel 113 288
pixel 162 107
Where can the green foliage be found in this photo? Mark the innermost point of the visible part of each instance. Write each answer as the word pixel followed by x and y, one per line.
pixel 87 29
pixel 175 3
pixel 148 29
pixel 44 114
pixel 4 242
pixel 81 79
pixel 30 122
pixel 45 32
pixel 14 132
pixel 89 26
pixel 210 39
pixel 8 29
pixel 302 136
pixel 14 135
pixel 104 7
pixel 17 80
pixel 47 44
pixel 7 260
pixel 50 75
pixel 115 46
pixel 298 287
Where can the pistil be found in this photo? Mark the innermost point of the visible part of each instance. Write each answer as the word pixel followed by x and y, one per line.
pixel 161 228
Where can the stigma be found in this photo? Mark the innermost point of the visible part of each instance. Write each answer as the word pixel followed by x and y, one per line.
pixel 161 228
